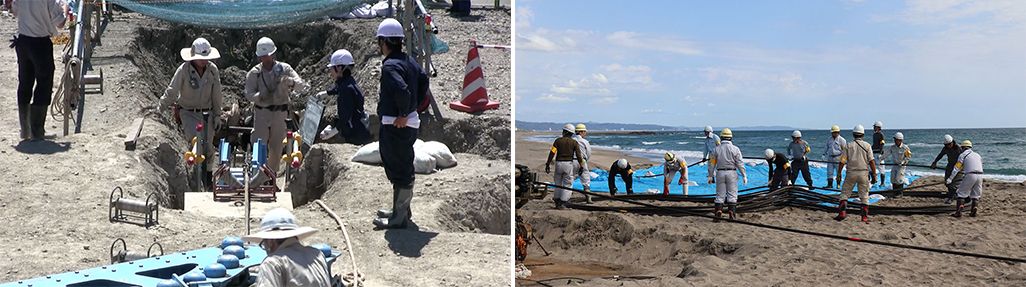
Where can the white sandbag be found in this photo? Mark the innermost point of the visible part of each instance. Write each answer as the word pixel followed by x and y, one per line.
pixel 423 162
pixel 441 153
pixel 369 153
pixel 417 144
pixel 381 9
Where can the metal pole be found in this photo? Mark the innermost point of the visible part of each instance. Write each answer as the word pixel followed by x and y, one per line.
pixel 246 171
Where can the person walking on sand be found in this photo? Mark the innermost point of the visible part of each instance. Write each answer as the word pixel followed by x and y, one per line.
pixel 971 187
pixel 622 168
pixel 195 96
pixel 565 150
pixel 350 100
pixel 402 83
pixel 778 169
pixel 581 131
pixel 38 20
pixel 672 164
pixel 798 149
pixel 269 85
pixel 711 141
pixel 857 158
pixel 952 151
pixel 878 146
pixel 832 153
pixel 899 153
pixel 726 160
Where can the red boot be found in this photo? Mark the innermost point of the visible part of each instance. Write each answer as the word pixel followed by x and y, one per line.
pixel 719 212
pixel 865 214
pixel 972 208
pixel 842 211
pixel 666 190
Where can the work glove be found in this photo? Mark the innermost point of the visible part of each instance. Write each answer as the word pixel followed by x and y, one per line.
pixel 933 165
pixel 744 180
pixel 947 180
pixel 580 171
pixel 838 179
pixel 789 182
pixel 872 178
pixel 547 170
pixel 322 97
pixel 682 181
pixel 710 180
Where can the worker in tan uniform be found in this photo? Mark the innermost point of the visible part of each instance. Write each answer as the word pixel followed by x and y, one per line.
pixel 289 263
pixel 565 150
pixel 195 96
pixel 857 157
pixel 269 85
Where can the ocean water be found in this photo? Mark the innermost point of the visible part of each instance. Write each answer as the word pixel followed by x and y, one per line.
pixel 1003 150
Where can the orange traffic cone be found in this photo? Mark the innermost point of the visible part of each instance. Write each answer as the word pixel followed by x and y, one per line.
pixel 475 95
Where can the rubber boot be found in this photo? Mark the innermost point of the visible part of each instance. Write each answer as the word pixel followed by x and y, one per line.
pixel 732 210
pixel 612 192
pixel 386 213
pixel 865 214
pixel 901 190
pixel 960 203
pixel 719 212
pixel 37 117
pixel 587 197
pixel 666 190
pixel 830 183
pixel 842 210
pixel 402 213
pixel 26 123
pixel 629 191
pixel 883 178
pixel 972 208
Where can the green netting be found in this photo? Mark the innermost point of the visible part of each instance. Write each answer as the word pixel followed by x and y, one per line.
pixel 239 14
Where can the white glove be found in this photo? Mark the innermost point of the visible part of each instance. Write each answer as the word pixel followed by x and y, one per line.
pixel 947 180
pixel 322 96
pixel 788 182
pixel 744 180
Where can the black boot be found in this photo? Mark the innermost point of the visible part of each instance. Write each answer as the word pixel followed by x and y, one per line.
pixel 37 116
pixel 865 214
pixel 719 212
pixel 830 183
pixel 842 210
pixel 883 178
pixel 961 204
pixel 26 123
pixel 972 208
pixel 732 210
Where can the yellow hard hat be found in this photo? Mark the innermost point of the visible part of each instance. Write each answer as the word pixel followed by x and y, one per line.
pixel 668 156
pixel 835 129
pixel 966 143
pixel 581 128
pixel 726 133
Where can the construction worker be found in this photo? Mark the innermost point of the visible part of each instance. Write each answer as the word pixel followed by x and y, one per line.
pixel 899 153
pixel 38 20
pixel 351 115
pixel 671 165
pixel 952 151
pixel 269 85
pixel 195 96
pixel 583 144
pixel 726 161
pixel 878 146
pixel 798 149
pixel 832 153
pixel 402 83
pixel 778 176
pixel 971 187
pixel 622 168
pixel 565 150
pixel 711 141
pixel 857 157
pixel 289 262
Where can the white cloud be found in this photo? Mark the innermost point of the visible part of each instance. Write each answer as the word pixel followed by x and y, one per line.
pixel 651 42
pixel 606 100
pixel 554 99
pixel 750 82
pixel 639 75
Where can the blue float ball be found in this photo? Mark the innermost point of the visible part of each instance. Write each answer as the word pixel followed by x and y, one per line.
pixel 325 249
pixel 238 251
pixel 215 270
pixel 194 276
pixel 168 283
pixel 231 241
pixel 229 261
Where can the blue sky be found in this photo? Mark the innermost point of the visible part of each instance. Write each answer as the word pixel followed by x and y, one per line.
pixel 809 64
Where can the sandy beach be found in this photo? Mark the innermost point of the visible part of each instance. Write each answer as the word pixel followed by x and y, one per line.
pixel 623 249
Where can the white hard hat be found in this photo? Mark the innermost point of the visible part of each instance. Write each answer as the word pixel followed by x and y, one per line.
pixel 200 50
pixel 568 128
pixel 340 57
pixel 948 139
pixel 390 28
pixel 878 124
pixel 899 136
pixel 769 154
pixel 279 223
pixel 796 134
pixel 859 129
pixel 621 163
pixel 708 129
pixel 265 46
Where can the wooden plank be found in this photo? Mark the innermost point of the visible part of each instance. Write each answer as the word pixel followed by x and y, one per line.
pixel 137 126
